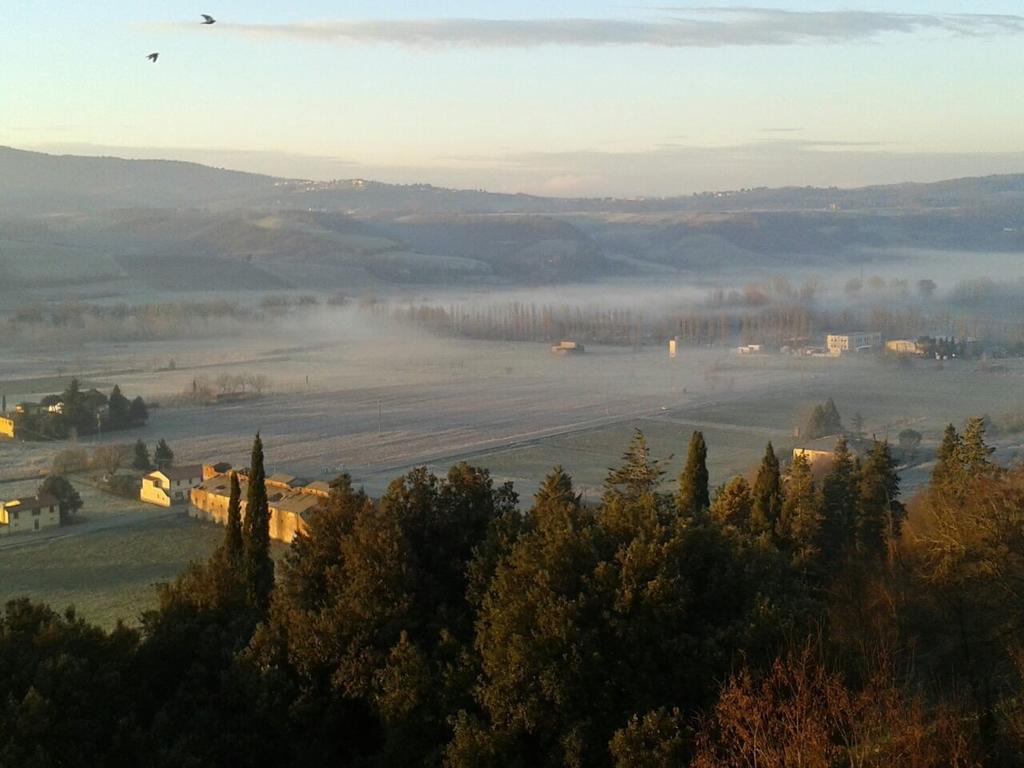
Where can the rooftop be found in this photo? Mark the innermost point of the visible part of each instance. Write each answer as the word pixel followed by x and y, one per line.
pixel 32 502
pixel 184 472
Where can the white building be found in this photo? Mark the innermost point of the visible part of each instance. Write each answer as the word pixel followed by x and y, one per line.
pixel 29 514
pixel 172 485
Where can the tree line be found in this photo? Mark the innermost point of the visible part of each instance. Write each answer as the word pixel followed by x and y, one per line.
pixel 797 618
pixel 777 323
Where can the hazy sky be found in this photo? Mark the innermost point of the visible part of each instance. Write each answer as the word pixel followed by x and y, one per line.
pixel 590 97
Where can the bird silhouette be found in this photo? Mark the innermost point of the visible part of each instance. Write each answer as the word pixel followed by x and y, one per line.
pixel 153 56
pixel 207 19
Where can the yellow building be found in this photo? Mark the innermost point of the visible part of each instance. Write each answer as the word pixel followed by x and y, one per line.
pixel 172 485
pixel 29 514
pixel 6 427
pixel 903 347
pixel 290 500
pixel 858 341
pixel 814 456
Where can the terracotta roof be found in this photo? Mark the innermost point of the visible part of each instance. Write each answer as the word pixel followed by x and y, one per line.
pixel 32 502
pixel 186 472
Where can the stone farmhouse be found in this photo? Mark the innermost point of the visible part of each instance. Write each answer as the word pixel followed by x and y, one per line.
pixel 291 499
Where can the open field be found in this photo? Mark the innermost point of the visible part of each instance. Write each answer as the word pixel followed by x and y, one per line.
pixel 107 574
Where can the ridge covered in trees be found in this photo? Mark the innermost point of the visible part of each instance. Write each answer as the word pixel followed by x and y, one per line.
pixel 776 624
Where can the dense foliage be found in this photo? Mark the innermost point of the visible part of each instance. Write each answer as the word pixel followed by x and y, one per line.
pixel 788 622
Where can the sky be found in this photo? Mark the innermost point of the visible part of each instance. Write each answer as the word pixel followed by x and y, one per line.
pixel 589 98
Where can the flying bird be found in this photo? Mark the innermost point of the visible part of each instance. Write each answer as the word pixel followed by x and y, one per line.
pixel 153 56
pixel 207 19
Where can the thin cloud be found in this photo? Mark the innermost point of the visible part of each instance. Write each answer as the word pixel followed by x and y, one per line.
pixel 675 28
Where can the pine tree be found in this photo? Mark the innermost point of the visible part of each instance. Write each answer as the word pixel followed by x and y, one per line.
pixel 556 489
pixel 946 458
pixel 767 494
pixel 258 568
pixel 879 512
pixel 163 456
pixel 733 504
pixel 118 407
pixel 74 407
pixel 693 498
pixel 973 452
pixel 233 543
pixel 137 411
pixel 801 518
pixel 638 476
pixel 141 459
pixel 839 503
pixel 833 423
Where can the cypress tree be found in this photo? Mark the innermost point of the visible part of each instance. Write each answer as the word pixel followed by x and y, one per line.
pixel 233 543
pixel 694 497
pixel 767 494
pixel 258 568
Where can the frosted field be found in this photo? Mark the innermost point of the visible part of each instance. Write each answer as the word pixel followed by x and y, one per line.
pixel 381 400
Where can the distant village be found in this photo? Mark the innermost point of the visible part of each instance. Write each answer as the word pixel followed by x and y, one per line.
pixel 840 343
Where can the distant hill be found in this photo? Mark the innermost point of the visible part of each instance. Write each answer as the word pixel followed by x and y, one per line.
pixel 115 223
pixel 34 182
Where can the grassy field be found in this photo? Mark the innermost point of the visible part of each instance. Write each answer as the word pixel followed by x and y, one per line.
pixel 108 574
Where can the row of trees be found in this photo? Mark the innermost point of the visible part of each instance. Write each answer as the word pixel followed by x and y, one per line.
pixel 789 323
pixel 777 622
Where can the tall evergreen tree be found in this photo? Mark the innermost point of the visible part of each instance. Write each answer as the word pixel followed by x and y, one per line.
pixel 974 453
pixel 118 407
pixel 801 518
pixel 233 542
pixel 839 503
pixel 74 404
pixel 137 411
pixel 946 459
pixel 556 489
pixel 693 497
pixel 879 512
pixel 733 504
pixel 638 476
pixel 833 423
pixel 140 460
pixel 163 456
pixel 767 494
pixel 258 568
